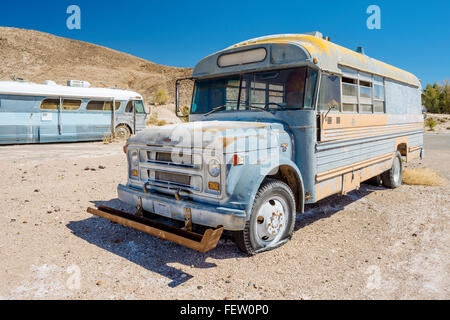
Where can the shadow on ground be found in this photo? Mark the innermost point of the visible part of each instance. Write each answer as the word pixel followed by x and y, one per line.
pixel 156 255
pixel 145 250
pixel 329 206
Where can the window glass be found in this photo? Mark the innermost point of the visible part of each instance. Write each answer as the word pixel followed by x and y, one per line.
pixel 258 94
pixel 295 88
pixel 365 108
pixel 365 76
pixel 276 93
pixel 330 92
pixel 281 89
pixel 108 104
pixel 365 92
pixel 311 81
pixel 50 104
pixel 378 106
pixel 71 104
pixel 349 107
pixel 350 90
pixel 349 72
pixel 378 92
pixel 95 106
pixel 377 79
pixel 129 107
pixel 139 105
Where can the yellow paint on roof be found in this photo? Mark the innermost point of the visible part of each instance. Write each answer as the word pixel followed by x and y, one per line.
pixel 331 56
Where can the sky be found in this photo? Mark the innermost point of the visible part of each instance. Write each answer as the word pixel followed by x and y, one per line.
pixel 413 35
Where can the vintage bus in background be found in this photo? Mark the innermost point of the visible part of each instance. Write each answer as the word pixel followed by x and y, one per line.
pixel 330 117
pixel 39 113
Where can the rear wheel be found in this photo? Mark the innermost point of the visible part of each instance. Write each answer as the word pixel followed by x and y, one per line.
pixel 272 218
pixel 122 131
pixel 392 178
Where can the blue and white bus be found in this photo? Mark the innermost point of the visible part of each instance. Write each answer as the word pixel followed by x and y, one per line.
pixel 40 113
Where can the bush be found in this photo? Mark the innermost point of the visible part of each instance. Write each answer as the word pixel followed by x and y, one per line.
pixel 154 121
pixel 185 113
pixel 160 97
pixel 422 176
pixel 431 124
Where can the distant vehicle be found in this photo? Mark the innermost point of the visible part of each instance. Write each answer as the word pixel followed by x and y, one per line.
pixel 39 113
pixel 276 123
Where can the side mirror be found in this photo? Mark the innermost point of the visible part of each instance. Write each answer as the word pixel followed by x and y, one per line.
pixel 177 105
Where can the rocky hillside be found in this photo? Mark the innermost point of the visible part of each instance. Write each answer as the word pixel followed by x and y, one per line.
pixel 38 56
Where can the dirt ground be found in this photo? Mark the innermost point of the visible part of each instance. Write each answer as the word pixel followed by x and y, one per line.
pixel 373 243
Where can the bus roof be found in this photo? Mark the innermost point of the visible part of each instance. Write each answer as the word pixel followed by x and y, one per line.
pixel 330 57
pixel 54 90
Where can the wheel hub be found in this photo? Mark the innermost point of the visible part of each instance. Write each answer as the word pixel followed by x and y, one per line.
pixel 270 220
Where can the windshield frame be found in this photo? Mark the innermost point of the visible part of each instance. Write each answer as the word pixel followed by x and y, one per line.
pixel 252 107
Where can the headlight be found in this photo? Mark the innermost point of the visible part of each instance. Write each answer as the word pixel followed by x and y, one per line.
pixel 134 159
pixel 214 167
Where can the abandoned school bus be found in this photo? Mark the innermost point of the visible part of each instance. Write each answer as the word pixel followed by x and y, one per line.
pixel 40 113
pixel 275 123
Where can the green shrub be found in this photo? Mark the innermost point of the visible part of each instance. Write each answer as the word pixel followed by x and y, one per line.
pixel 160 97
pixel 185 113
pixel 154 121
pixel 431 124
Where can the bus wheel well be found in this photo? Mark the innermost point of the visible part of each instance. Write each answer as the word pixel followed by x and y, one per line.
pixel 403 148
pixel 289 176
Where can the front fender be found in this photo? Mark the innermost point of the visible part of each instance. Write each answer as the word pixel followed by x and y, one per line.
pixel 243 181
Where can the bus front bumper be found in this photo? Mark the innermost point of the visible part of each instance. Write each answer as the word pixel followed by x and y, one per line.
pixel 201 213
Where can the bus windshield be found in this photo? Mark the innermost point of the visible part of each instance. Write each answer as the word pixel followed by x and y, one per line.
pixel 285 89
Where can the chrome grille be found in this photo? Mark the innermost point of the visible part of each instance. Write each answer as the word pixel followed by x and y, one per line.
pixel 170 177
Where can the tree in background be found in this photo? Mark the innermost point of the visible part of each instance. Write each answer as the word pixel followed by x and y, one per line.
pixel 436 98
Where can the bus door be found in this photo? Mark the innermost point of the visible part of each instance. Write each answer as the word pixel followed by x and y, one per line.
pixel 133 116
pixel 128 116
pixel 139 115
pixel 50 122
pixel 70 118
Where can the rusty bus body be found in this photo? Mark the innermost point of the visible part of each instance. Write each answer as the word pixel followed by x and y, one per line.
pixel 331 117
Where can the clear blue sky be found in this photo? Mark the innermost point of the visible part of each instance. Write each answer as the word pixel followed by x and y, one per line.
pixel 414 35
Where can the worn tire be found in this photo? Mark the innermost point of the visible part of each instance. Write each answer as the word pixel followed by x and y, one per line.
pixel 272 195
pixel 122 131
pixel 392 178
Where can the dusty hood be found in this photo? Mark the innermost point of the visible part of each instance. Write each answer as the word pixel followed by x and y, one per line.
pixel 229 136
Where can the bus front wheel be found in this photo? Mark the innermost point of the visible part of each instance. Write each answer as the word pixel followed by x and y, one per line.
pixel 122 131
pixel 271 221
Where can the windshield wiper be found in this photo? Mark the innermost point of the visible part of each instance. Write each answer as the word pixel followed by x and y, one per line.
pixel 260 108
pixel 215 109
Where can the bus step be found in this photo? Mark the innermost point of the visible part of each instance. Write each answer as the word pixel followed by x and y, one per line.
pixel 202 243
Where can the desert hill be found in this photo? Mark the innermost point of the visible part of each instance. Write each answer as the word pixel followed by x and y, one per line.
pixel 38 56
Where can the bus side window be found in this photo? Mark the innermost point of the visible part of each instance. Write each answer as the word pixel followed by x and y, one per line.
pixel 72 105
pixel 108 104
pixel 129 107
pixel 95 106
pixel 330 92
pixel 50 104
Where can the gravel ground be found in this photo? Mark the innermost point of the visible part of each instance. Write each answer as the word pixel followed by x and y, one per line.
pixel 373 243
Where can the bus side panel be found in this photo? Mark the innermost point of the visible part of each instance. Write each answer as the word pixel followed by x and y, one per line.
pixel 357 146
pixel 19 119
pixel 94 125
